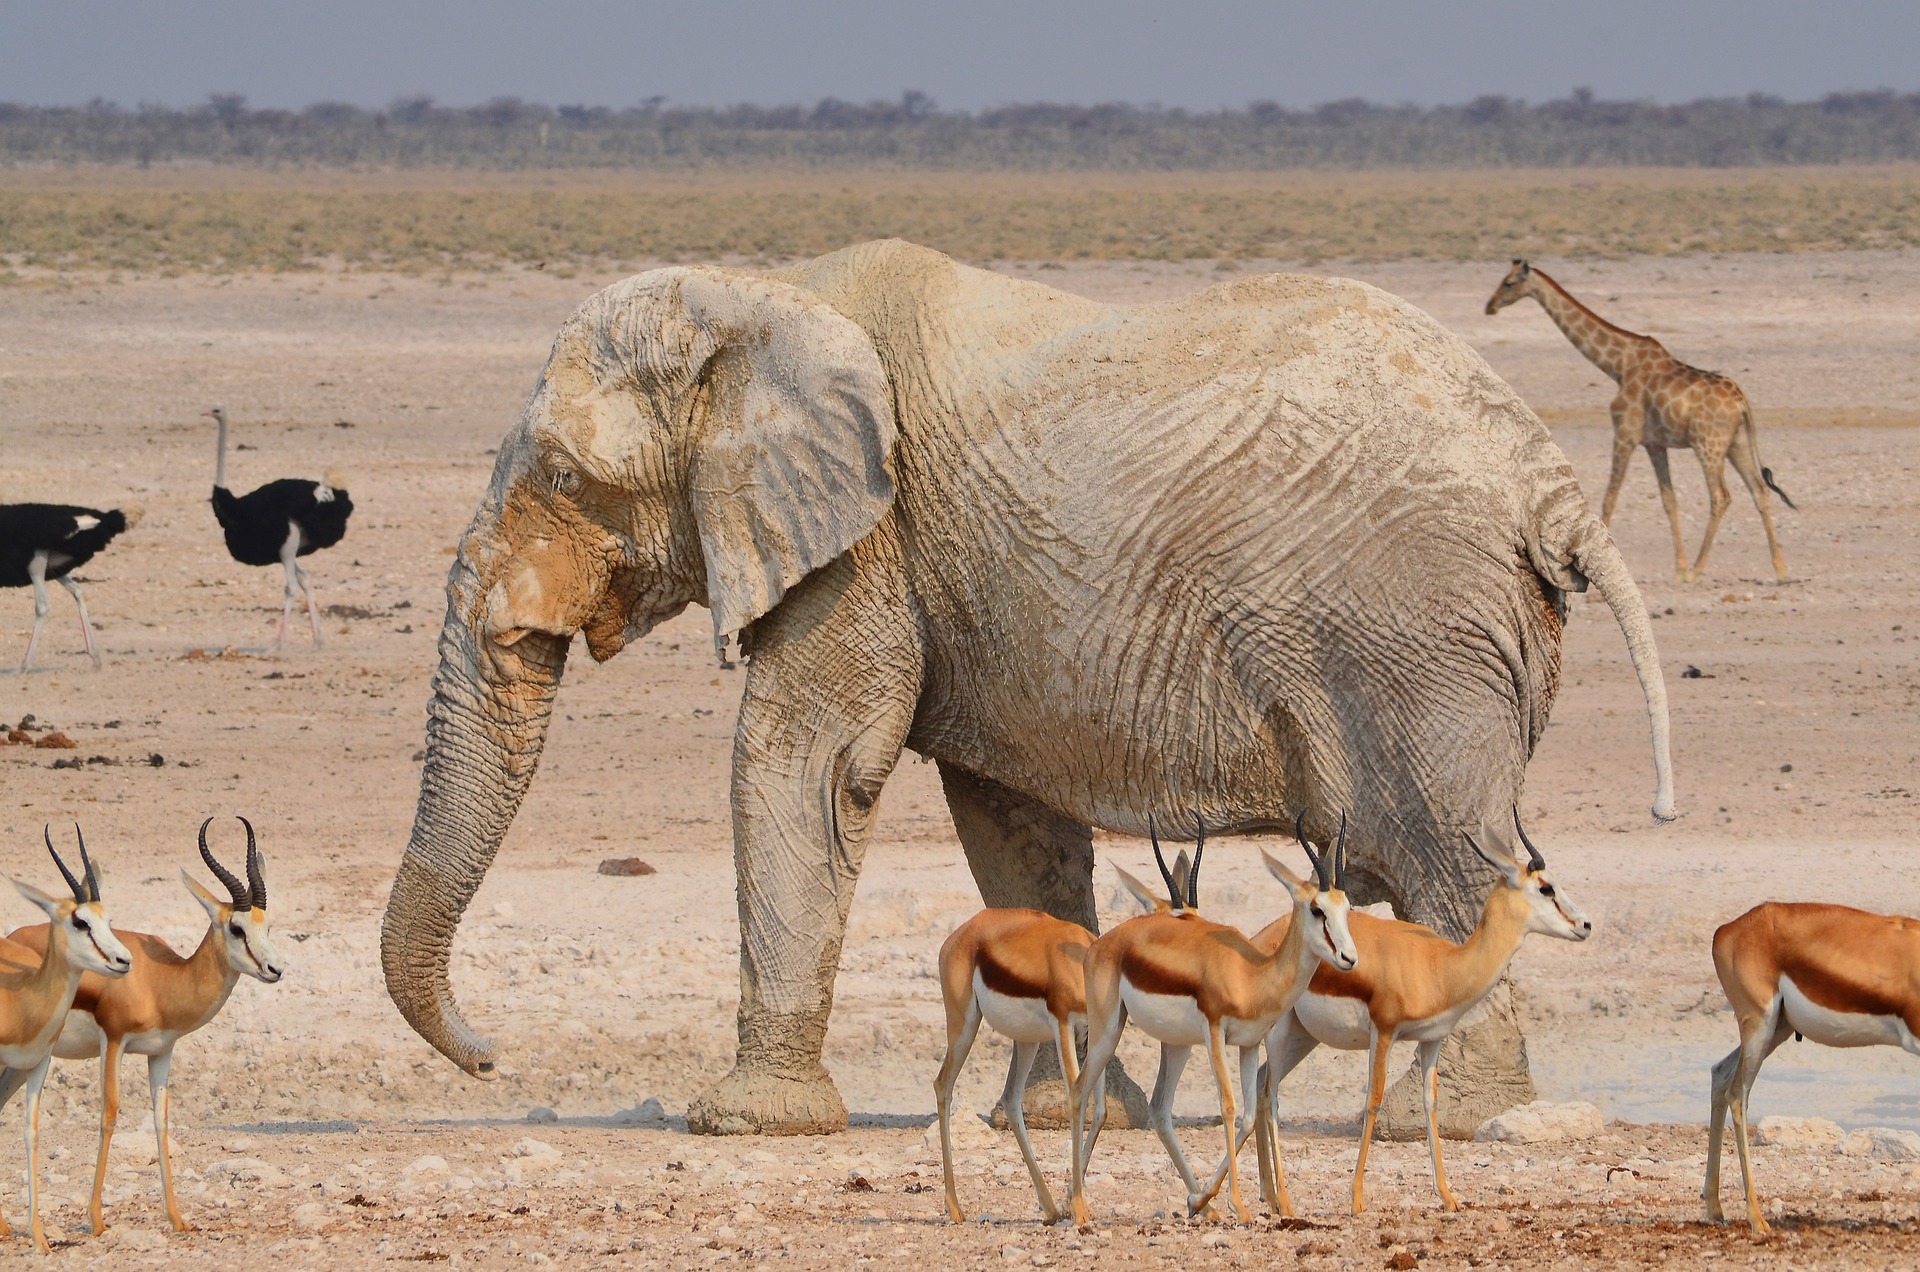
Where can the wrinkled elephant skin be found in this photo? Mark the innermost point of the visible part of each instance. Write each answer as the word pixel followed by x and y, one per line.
pixel 1287 545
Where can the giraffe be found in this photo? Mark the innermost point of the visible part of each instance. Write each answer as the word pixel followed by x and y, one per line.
pixel 1663 403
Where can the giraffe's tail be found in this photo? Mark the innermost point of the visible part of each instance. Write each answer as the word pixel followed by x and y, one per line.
pixel 1766 474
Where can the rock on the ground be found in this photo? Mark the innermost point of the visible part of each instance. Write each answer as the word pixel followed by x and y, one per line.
pixel 1542 1123
pixel 1801 1133
pixel 1883 1143
pixel 246 1170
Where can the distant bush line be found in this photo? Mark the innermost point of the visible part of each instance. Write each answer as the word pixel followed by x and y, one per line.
pixel 913 134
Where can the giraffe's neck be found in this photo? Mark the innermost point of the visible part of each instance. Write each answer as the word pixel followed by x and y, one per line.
pixel 1612 349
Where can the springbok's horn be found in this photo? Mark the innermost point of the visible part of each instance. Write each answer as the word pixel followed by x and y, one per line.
pixel 79 892
pixel 256 876
pixel 1173 886
pixel 1320 863
pixel 88 871
pixel 234 887
pixel 1340 855
pixel 1539 862
pixel 1199 846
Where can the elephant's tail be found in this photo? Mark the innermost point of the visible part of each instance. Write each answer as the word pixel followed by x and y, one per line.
pixel 1596 556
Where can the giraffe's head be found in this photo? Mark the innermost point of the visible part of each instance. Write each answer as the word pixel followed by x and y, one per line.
pixel 1517 285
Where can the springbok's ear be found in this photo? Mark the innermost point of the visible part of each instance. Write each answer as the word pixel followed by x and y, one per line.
pixel 208 902
pixel 50 904
pixel 1141 893
pixel 793 462
pixel 1510 869
pixel 1293 881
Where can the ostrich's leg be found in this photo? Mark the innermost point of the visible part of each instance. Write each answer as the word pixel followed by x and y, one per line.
pixel 86 624
pixel 313 613
pixel 289 551
pixel 37 575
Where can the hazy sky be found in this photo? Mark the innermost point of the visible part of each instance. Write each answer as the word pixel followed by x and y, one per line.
pixel 1199 53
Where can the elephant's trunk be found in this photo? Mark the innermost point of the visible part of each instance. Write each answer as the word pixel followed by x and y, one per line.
pixel 486 726
pixel 1597 557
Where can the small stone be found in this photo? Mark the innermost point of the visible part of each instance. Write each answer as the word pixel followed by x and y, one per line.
pixel 625 867
pixel 541 1115
pixel 530 1149
pixel 1541 1122
pixel 140 1239
pixel 428 1165
pixel 239 1144
pixel 55 742
pixel 310 1216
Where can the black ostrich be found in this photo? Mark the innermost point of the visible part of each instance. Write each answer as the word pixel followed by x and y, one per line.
pixel 280 522
pixel 49 541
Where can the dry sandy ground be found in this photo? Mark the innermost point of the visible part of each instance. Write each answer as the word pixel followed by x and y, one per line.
pixel 608 992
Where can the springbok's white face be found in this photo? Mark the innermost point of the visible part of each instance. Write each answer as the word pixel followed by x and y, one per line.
pixel 91 944
pixel 249 949
pixel 1324 912
pixel 1549 910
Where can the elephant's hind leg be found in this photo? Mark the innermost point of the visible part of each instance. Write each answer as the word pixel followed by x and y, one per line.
pixel 830 695
pixel 1023 853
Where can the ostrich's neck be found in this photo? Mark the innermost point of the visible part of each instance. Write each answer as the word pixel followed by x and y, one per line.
pixel 1608 347
pixel 220 458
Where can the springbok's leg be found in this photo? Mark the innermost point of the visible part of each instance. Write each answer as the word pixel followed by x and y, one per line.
pixel 1223 1077
pixel 1754 1051
pixel 1716 1128
pixel 1663 474
pixel 35 1079
pixel 109 1115
pixel 11 1080
pixel 1376 1092
pixel 1173 1062
pixel 1287 1045
pixel 157 1070
pixel 959 1043
pixel 1070 1069
pixel 1106 1019
pixel 37 575
pixel 1023 1053
pixel 1428 1054
pixel 1250 1106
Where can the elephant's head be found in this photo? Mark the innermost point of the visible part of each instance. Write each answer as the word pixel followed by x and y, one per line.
pixel 698 435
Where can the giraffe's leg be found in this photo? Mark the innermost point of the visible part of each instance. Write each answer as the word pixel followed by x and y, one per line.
pixel 37 575
pixel 959 1043
pixel 1663 473
pixel 1744 463
pixel 157 1069
pixel 1223 1077
pixel 35 1080
pixel 1376 1092
pixel 109 1115
pixel 1713 463
pixel 86 624
pixel 1625 438
pixel 1428 1056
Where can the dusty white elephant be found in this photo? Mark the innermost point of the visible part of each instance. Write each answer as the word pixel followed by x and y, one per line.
pixel 1285 545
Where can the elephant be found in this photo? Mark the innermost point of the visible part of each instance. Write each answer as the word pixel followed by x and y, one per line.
pixel 1287 545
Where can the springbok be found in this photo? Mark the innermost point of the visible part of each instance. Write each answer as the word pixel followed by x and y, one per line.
pixel 1024 973
pixel 1412 985
pixel 164 997
pixel 34 999
pixel 1839 976
pixel 1190 982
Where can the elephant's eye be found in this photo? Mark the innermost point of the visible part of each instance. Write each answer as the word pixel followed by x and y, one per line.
pixel 565 481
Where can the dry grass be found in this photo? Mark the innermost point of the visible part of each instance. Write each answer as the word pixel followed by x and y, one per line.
pixel 238 219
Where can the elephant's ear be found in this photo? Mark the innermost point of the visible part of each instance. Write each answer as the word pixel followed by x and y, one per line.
pixel 793 463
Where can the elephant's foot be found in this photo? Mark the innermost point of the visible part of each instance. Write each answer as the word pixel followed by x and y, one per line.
pixel 1483 1073
pixel 758 1099
pixel 1046 1098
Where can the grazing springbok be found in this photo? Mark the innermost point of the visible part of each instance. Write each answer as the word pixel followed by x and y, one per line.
pixel 1024 973
pixel 164 997
pixel 1412 985
pixel 34 999
pixel 1190 982
pixel 1830 973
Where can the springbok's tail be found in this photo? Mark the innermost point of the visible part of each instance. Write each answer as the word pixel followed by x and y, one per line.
pixel 1766 474
pixel 1595 555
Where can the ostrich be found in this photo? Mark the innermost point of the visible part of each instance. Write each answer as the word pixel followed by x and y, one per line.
pixel 42 541
pixel 280 522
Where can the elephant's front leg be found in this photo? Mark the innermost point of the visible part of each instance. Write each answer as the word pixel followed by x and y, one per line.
pixel 830 694
pixel 1023 853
